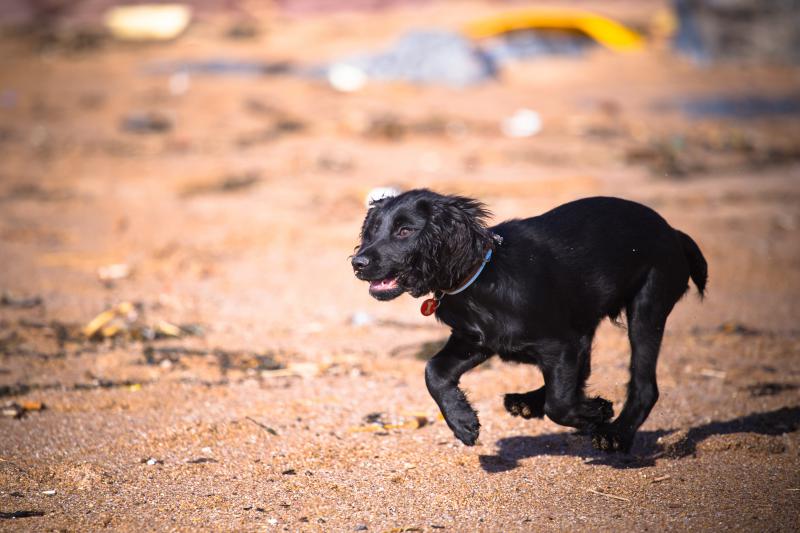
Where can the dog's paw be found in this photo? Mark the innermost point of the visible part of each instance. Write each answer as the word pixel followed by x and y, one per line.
pixel 465 426
pixel 599 409
pixel 607 439
pixel 526 405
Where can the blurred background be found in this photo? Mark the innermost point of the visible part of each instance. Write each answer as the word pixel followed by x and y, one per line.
pixel 182 184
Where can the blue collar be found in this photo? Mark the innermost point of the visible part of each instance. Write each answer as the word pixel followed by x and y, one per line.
pixel 474 277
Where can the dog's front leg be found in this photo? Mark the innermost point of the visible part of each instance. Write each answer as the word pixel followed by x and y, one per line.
pixel 442 374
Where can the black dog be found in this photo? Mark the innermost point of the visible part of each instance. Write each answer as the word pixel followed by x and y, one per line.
pixel 534 291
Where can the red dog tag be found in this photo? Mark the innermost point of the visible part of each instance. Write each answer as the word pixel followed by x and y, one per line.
pixel 429 306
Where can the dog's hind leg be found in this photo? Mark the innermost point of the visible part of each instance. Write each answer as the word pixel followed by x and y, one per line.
pixel 442 374
pixel 565 370
pixel 647 315
pixel 531 404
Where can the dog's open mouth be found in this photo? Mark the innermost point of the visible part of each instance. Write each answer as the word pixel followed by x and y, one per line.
pixel 385 289
pixel 383 284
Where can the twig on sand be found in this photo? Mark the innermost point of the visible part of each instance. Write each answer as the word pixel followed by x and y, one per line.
pixel 262 426
pixel 713 373
pixel 662 478
pixel 593 491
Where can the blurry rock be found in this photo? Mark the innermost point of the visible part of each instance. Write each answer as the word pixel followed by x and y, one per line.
pixel 65 38
pixel 770 389
pixel 392 127
pixel 346 78
pixel 385 125
pixel 361 318
pixel 195 330
pixel 374 418
pixel 523 123
pixel 243 30
pixel 278 129
pixel 147 22
pixel 231 183
pixel 752 31
pixel 144 123
pixel 37 193
pixel 418 57
pixel 740 107
pixel 113 272
pixel 10 300
pixel 677 444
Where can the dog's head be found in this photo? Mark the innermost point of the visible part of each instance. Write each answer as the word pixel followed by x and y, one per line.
pixel 419 242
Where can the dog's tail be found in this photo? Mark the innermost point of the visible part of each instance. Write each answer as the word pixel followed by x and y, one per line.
pixel 698 267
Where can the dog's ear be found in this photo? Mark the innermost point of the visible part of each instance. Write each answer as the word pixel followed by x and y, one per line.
pixel 475 211
pixel 454 240
pixel 463 221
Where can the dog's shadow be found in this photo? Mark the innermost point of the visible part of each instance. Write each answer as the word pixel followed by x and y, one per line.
pixel 646 448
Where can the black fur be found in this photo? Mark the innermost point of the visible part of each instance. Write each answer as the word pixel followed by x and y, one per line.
pixel 550 282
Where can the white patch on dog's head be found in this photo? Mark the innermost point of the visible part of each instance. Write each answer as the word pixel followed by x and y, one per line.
pixel 379 193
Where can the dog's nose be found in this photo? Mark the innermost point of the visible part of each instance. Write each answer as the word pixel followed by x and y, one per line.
pixel 360 261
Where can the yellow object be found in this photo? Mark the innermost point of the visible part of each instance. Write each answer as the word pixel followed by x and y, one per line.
pixel 148 22
pixel 167 329
pixel 100 323
pixel 605 31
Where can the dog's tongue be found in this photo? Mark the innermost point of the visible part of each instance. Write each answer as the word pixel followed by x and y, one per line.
pixel 383 285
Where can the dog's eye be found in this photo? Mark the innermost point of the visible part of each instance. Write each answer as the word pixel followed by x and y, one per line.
pixel 404 232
